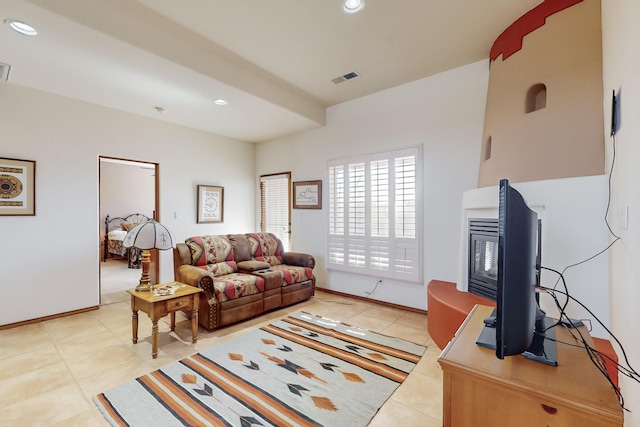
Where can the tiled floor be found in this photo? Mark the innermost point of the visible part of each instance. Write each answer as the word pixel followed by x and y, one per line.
pixel 50 371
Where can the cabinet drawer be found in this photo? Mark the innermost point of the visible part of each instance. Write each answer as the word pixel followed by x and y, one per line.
pixel 179 303
pixel 474 402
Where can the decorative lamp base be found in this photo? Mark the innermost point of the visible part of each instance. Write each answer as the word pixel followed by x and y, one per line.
pixel 145 281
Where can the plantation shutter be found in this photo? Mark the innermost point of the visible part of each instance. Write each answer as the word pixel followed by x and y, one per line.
pixel 275 210
pixel 373 215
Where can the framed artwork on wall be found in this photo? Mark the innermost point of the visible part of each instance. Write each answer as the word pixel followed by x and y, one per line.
pixel 307 194
pixel 210 203
pixel 17 187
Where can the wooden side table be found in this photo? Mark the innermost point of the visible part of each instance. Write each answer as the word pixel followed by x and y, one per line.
pixel 185 298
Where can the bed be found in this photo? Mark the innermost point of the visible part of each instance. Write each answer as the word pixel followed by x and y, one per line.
pixel 114 231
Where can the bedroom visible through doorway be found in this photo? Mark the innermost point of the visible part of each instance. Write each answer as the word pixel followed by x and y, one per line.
pixel 128 195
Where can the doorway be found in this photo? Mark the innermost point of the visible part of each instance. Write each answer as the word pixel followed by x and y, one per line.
pixel 126 188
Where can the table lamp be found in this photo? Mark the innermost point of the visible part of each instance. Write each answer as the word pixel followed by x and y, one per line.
pixel 145 236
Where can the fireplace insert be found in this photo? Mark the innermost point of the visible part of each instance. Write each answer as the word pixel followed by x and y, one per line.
pixel 483 257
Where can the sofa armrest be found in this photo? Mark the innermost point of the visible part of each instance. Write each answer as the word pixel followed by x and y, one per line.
pixel 199 278
pixel 299 259
pixel 181 256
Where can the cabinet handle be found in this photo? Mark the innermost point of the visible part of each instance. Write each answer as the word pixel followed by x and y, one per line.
pixel 179 303
pixel 549 409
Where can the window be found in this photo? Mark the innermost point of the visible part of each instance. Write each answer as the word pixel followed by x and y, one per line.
pixel 275 211
pixel 373 215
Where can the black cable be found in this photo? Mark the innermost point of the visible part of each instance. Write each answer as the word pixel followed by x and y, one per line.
pixel 606 214
pixel 606 218
pixel 594 354
pixel 624 354
pixel 374 288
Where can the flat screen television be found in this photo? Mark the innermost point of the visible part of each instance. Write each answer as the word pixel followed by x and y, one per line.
pixel 518 325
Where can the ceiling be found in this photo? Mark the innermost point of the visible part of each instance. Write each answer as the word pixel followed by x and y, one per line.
pixel 272 60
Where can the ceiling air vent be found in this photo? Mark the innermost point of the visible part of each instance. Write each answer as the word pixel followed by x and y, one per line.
pixel 4 71
pixel 345 77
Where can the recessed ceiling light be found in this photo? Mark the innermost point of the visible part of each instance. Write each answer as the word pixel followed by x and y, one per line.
pixel 221 102
pixel 21 27
pixel 353 6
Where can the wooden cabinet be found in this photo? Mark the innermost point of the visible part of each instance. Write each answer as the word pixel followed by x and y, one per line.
pixel 482 390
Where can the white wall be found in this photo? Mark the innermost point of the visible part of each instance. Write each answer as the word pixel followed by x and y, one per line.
pixel 621 68
pixel 573 230
pixel 444 114
pixel 45 272
pixel 125 189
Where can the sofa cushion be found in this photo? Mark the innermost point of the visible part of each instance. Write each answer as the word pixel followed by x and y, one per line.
pixel 241 249
pixel 293 274
pixel 251 266
pixel 237 285
pixel 212 253
pixel 265 247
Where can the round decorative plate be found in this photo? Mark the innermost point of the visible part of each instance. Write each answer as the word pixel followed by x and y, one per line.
pixel 10 187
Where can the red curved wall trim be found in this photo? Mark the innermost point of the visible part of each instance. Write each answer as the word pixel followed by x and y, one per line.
pixel 510 41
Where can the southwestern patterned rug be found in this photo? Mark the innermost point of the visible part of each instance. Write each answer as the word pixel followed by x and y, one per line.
pixel 302 370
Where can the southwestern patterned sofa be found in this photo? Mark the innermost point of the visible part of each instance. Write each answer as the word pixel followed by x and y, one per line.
pixel 242 275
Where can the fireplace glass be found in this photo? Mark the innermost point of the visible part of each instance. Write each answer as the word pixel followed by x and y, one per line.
pixel 483 257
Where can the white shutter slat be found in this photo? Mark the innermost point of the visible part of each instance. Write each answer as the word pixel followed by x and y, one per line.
pixel 373 215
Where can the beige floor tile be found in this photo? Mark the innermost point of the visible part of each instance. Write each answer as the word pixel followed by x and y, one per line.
pixel 106 380
pixel 18 388
pixel 102 360
pixel 92 343
pixel 13 342
pixel 409 333
pixel 83 419
pixel 374 324
pixel 421 392
pixel 390 314
pixel 396 414
pixel 57 366
pixel 28 361
pixel 69 327
pixel 415 320
pixel 45 409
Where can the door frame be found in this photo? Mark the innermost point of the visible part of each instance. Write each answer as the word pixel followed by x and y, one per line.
pixel 154 268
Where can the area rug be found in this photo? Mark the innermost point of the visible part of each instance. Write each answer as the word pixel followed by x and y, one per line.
pixel 302 370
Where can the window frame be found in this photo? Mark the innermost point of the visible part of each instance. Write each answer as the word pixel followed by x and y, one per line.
pixel 352 251
pixel 286 241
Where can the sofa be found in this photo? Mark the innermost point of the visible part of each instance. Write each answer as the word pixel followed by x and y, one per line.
pixel 242 275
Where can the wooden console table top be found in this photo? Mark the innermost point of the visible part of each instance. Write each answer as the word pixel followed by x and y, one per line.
pixel 480 389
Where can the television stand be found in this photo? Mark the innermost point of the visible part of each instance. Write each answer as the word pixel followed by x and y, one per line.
pixel 543 348
pixel 481 390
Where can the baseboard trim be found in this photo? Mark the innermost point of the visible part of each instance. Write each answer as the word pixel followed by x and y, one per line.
pixel 42 319
pixel 360 298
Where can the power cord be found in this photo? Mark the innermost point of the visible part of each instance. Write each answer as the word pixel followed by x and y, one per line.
pixel 597 357
pixel 606 218
pixel 374 288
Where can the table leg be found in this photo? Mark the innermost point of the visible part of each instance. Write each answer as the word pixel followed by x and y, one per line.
pixel 194 325
pixel 173 320
pixel 154 339
pixel 134 326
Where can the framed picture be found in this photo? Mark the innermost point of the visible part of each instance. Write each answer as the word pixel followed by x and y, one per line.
pixel 210 203
pixel 307 195
pixel 17 187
